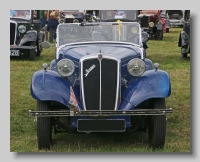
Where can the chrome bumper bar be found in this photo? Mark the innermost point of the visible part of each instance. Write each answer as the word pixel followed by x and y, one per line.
pixel 22 47
pixel 100 113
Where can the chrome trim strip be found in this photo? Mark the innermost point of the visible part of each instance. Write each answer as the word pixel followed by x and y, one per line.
pixel 22 47
pixel 102 112
pixel 100 84
pixel 106 42
pixel 14 22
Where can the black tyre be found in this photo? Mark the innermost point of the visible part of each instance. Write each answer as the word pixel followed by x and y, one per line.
pixel 32 52
pixel 157 126
pixel 44 127
pixel 161 35
pixel 183 55
pixel 39 49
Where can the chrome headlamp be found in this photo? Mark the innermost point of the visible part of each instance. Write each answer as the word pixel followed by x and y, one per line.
pixel 65 67
pixel 151 24
pixel 136 67
pixel 22 29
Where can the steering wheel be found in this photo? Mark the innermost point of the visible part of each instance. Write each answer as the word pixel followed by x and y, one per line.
pixel 81 39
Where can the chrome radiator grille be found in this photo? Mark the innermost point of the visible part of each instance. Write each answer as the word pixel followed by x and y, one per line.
pixel 100 83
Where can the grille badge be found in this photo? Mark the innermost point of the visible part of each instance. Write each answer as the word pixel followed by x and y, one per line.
pixel 89 70
pixel 100 57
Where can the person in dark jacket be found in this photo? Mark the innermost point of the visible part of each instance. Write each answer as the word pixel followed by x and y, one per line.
pixel 52 24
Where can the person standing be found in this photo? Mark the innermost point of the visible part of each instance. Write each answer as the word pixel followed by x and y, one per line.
pixel 43 18
pixel 159 33
pixel 167 25
pixel 163 19
pixel 52 24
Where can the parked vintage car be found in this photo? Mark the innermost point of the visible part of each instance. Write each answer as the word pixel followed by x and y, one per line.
pixel 184 37
pixel 71 16
pixel 175 18
pixel 25 34
pixel 100 82
pixel 152 23
pixel 122 15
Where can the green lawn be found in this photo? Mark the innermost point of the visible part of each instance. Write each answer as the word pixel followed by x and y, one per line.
pixel 166 52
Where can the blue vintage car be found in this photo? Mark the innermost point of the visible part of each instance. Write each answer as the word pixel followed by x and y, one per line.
pixel 100 81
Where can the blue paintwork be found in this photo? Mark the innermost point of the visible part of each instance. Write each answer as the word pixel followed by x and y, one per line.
pixel 75 52
pixel 53 65
pixel 152 84
pixel 48 85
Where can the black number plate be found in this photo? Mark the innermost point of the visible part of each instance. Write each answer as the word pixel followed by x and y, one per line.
pixel 101 125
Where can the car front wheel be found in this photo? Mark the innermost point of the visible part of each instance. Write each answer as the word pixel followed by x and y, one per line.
pixel 32 52
pixel 157 126
pixel 44 127
pixel 183 55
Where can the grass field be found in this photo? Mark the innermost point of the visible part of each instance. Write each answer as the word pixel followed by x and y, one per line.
pixel 166 52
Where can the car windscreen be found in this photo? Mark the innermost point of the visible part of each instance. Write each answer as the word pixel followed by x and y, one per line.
pixel 118 14
pixel 119 31
pixel 24 14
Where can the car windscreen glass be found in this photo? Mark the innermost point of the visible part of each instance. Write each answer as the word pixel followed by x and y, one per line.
pixel 118 14
pixel 24 14
pixel 120 32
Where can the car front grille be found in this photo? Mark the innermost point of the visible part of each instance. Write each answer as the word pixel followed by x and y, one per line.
pixel 145 21
pixel 100 88
pixel 12 33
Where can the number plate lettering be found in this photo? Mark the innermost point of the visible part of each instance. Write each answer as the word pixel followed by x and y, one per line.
pixel 14 52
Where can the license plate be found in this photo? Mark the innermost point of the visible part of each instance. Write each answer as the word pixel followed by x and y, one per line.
pixel 101 125
pixel 14 52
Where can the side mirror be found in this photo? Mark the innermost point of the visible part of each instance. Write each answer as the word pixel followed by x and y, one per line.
pixel 45 44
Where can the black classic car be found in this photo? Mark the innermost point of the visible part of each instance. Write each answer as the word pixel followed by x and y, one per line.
pixel 100 81
pixel 25 34
pixel 71 16
pixel 184 37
